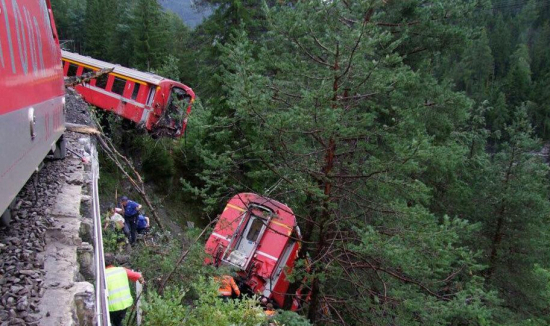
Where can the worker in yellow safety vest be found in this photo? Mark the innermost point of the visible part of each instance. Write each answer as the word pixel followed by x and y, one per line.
pixel 118 289
pixel 227 286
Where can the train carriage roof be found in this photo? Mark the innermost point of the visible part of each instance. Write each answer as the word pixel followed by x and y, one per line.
pixel 284 213
pixel 118 69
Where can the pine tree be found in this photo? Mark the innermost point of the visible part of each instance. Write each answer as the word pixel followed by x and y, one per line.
pixel 69 18
pixel 150 36
pixel 120 45
pixel 501 44
pixel 328 107
pixel 98 24
pixel 518 80
pixel 540 52
pixel 514 211
pixel 540 110
pixel 477 67
pixel 60 9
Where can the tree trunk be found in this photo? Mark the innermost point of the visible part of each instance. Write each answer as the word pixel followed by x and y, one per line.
pixel 497 237
pixel 326 185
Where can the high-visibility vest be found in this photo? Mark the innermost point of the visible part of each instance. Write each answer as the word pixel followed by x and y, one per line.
pixel 227 284
pixel 118 289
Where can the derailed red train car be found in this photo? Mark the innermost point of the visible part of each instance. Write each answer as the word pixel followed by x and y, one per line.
pixel 32 93
pixel 260 237
pixel 160 105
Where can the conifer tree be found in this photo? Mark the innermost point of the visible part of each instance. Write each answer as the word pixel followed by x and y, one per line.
pixel 150 36
pixel 69 18
pixel 501 44
pixel 327 106
pixel 99 26
pixel 540 52
pixel 518 80
pixel 514 210
pixel 540 111
pixel 477 67
pixel 120 44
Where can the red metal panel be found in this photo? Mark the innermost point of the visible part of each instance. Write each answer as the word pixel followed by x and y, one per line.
pixel 110 83
pixel 271 247
pixel 32 88
pixel 29 56
pixel 142 95
pixel 128 89
pixel 281 287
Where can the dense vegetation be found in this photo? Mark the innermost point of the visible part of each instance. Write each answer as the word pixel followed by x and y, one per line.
pixel 405 135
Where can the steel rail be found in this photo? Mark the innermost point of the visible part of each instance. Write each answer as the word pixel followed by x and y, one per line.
pixel 102 309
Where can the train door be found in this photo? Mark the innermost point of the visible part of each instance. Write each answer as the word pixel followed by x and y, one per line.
pixel 250 238
pixel 244 249
pixel 250 235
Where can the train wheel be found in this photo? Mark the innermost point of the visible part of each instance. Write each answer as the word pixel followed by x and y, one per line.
pixel 60 148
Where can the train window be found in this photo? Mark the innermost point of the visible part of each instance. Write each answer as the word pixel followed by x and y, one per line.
pixel 72 70
pixel 255 229
pixel 179 100
pixel 86 71
pixel 118 86
pixel 101 81
pixel 151 95
pixel 136 91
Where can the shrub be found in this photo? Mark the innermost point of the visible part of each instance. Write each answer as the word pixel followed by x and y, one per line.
pixel 164 310
pixel 208 309
pixel 290 318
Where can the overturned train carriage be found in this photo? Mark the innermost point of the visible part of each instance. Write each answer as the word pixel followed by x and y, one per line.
pixel 160 105
pixel 260 237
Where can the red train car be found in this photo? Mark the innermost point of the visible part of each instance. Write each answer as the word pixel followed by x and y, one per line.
pixel 260 237
pixel 160 105
pixel 32 91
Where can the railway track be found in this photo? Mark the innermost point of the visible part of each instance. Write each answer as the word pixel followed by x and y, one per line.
pixel 21 265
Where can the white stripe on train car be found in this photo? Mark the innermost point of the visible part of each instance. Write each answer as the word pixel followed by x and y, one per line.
pixel 217 235
pixel 267 255
pixel 146 111
pixel 118 97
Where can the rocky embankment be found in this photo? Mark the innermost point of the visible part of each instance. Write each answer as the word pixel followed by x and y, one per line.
pixel 21 267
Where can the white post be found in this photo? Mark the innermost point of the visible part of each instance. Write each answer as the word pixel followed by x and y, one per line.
pixel 139 288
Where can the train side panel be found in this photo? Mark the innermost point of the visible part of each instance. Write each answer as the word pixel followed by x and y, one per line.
pixel 32 88
pixel 282 283
pixel 125 107
pixel 144 98
pixel 112 92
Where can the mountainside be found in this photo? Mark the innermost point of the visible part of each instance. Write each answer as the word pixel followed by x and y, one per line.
pixel 185 9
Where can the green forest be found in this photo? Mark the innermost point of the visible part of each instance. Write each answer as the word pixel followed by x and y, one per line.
pixel 407 136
